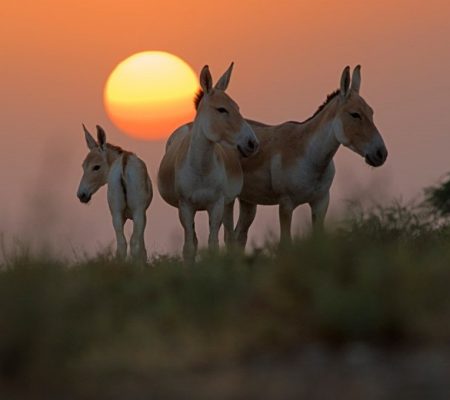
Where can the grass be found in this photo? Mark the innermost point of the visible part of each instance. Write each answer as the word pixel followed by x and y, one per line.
pixel 381 278
pixel 438 198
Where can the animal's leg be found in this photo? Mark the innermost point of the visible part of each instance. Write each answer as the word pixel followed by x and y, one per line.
pixel 215 213
pixel 187 214
pixel 137 243
pixel 228 224
pixel 285 213
pixel 247 213
pixel 118 223
pixel 195 241
pixel 319 209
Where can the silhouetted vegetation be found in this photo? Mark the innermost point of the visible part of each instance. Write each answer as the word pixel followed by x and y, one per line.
pixel 438 198
pixel 99 325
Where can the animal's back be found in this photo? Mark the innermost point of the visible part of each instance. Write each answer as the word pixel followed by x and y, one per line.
pixel 138 182
pixel 178 134
pixel 129 183
pixel 176 149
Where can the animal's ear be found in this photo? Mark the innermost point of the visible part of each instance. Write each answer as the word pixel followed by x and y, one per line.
pixel 90 141
pixel 224 80
pixel 205 79
pixel 356 79
pixel 345 81
pixel 101 137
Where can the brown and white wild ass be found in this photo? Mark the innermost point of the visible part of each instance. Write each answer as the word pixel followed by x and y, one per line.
pixel 201 168
pixel 294 164
pixel 129 189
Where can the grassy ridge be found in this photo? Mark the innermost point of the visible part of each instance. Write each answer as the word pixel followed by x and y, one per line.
pixel 382 278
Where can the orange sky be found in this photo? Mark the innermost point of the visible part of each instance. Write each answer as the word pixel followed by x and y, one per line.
pixel 56 57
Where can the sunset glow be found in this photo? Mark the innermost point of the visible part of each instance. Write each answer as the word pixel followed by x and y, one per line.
pixel 150 94
pixel 57 58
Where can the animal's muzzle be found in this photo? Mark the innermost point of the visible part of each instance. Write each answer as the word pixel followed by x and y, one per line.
pixel 377 157
pixel 249 148
pixel 84 197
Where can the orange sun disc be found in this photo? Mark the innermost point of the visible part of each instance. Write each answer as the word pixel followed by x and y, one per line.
pixel 150 94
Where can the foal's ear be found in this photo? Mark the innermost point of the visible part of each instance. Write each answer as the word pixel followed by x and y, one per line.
pixel 345 81
pixel 90 141
pixel 101 137
pixel 224 80
pixel 205 79
pixel 356 79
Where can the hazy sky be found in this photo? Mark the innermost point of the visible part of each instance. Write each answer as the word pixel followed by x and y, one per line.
pixel 56 57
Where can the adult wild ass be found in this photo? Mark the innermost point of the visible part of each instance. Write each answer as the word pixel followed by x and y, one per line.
pixel 294 164
pixel 129 189
pixel 201 168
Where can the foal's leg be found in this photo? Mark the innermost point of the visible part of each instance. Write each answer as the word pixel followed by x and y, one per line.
pixel 137 243
pixel 118 222
pixel 285 213
pixel 187 214
pixel 228 224
pixel 215 212
pixel 247 213
pixel 319 209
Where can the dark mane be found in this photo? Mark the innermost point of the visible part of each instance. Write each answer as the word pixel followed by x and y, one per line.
pixel 198 97
pixel 115 148
pixel 330 97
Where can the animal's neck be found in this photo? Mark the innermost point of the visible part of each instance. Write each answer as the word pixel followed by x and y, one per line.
pixel 323 144
pixel 112 154
pixel 201 150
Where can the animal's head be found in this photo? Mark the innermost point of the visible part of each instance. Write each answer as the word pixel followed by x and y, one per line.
pixel 219 117
pixel 95 165
pixel 353 125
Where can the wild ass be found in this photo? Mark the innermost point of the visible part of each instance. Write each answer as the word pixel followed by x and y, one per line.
pixel 201 169
pixel 294 164
pixel 129 189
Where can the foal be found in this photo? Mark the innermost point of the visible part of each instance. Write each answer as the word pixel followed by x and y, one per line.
pixel 201 169
pixel 295 162
pixel 129 189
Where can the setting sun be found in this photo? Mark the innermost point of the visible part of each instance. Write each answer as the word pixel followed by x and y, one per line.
pixel 150 94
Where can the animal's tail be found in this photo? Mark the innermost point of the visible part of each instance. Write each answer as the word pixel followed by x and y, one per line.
pixel 123 182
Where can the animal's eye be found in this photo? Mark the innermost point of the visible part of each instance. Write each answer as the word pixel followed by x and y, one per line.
pixel 355 115
pixel 222 110
pixel 95 167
